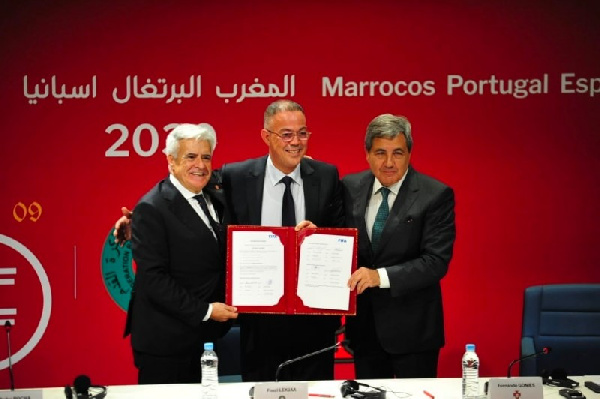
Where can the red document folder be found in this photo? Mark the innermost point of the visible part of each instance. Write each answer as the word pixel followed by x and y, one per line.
pixel 290 302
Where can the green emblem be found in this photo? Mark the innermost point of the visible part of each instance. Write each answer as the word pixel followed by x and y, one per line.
pixel 117 270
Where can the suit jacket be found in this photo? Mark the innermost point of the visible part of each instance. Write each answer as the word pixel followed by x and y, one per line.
pixel 243 184
pixel 180 270
pixel 415 248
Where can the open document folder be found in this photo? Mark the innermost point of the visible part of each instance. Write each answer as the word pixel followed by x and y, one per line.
pixel 280 270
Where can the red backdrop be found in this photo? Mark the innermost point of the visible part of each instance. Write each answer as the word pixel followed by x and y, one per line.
pixel 523 164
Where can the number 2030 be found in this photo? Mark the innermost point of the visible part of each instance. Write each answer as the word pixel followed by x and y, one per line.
pixel 141 131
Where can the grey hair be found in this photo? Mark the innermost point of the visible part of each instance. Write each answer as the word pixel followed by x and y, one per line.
pixel 388 126
pixel 202 131
pixel 280 106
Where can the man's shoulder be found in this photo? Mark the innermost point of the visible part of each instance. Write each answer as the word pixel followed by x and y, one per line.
pixel 241 166
pixel 319 166
pixel 354 178
pixel 245 163
pixel 429 181
pixel 157 194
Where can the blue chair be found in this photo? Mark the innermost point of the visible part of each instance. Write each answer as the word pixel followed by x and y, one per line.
pixel 566 318
pixel 228 350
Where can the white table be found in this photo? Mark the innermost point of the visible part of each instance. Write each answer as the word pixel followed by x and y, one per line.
pixel 441 388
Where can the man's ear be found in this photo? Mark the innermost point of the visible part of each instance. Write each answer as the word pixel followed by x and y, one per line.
pixel 170 161
pixel 264 133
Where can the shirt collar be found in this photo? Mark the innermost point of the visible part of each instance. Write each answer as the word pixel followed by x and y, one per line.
pixel 394 188
pixel 275 175
pixel 187 194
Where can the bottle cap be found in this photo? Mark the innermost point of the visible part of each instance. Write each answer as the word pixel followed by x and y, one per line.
pixel 470 347
pixel 208 346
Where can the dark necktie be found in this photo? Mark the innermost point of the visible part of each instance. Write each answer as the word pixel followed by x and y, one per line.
pixel 216 227
pixel 380 218
pixel 288 214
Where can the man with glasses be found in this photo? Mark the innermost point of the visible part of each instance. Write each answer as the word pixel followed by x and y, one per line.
pixel 257 192
pixel 282 188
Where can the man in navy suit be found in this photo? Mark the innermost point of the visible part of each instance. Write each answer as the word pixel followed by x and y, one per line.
pixel 178 246
pixel 255 191
pixel 406 231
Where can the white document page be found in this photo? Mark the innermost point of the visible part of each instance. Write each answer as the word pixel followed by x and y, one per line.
pixel 257 268
pixel 325 267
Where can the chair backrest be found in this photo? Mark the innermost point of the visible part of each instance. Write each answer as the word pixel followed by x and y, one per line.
pixel 228 351
pixel 565 317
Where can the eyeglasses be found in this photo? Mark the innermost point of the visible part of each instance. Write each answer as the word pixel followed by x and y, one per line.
pixel 288 135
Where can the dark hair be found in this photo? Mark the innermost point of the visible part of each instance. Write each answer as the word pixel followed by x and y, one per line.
pixel 388 126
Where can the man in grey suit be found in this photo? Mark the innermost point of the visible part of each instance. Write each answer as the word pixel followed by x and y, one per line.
pixel 255 191
pixel 406 230
pixel 178 246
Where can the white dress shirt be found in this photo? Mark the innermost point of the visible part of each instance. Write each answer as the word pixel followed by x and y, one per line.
pixel 273 194
pixel 371 213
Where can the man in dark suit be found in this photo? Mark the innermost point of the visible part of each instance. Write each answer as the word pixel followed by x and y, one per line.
pixel 255 192
pixel 406 230
pixel 178 246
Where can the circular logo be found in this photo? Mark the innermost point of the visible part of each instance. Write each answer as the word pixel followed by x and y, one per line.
pixel 46 297
pixel 117 270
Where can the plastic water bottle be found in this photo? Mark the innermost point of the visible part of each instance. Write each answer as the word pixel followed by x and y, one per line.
pixel 470 373
pixel 210 374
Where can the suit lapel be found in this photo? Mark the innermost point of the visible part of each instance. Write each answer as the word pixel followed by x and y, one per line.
pixel 361 197
pixel 182 209
pixel 218 201
pixel 255 184
pixel 310 186
pixel 398 214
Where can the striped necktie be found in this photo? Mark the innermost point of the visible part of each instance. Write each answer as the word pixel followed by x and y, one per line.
pixel 217 228
pixel 380 218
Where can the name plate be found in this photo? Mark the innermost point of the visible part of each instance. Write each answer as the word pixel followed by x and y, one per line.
pixel 516 388
pixel 281 390
pixel 22 394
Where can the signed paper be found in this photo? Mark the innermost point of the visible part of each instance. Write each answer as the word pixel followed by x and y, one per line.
pixel 325 267
pixel 257 268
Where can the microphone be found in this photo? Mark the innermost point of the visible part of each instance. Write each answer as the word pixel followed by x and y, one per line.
pixel 544 351
pixel 7 327
pixel 287 362
pixel 83 389
pixel 82 386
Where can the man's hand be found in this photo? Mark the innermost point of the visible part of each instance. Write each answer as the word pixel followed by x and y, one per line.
pixel 223 312
pixel 305 224
pixel 364 278
pixel 122 232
